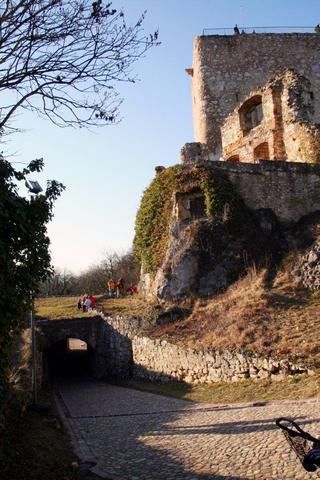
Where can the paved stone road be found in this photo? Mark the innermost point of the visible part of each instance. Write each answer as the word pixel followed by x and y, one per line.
pixel 143 436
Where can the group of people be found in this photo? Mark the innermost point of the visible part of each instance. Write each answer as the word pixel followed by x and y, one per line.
pixel 86 303
pixel 117 288
pixel 236 30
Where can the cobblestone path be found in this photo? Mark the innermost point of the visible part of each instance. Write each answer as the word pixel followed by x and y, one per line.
pixel 143 436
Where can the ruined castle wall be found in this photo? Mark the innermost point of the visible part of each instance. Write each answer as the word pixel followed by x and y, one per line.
pixel 291 190
pixel 302 141
pixel 159 360
pixel 301 135
pixel 235 142
pixel 287 129
pixel 227 68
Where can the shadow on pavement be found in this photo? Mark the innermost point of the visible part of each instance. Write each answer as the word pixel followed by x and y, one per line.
pixel 176 444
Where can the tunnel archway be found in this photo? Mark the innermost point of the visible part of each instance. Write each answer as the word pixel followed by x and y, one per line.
pixel 69 357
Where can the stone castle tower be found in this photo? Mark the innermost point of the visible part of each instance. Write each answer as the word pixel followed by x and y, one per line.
pixel 230 75
pixel 256 107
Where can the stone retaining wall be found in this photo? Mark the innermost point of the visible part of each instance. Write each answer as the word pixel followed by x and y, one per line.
pixel 121 351
pixel 156 359
pixel 163 361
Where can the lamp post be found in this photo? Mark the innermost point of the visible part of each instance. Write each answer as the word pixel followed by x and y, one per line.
pixel 34 188
pixel 33 353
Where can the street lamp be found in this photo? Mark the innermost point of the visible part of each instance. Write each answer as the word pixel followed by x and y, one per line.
pixel 34 188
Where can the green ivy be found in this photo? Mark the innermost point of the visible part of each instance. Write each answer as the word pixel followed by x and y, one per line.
pixel 152 222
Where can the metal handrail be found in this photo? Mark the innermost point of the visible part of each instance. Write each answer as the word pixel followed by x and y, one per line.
pixel 288 29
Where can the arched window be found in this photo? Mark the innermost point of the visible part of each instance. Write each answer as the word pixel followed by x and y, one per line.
pixel 261 152
pixel 233 158
pixel 251 113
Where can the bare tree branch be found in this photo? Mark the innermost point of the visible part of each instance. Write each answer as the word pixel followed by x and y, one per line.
pixel 71 54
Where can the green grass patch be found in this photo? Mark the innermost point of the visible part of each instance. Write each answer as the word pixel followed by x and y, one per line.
pixel 292 388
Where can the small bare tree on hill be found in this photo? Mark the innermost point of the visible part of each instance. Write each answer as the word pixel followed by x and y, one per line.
pixel 63 59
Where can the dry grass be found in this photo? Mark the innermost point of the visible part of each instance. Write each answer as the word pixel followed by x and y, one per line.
pixel 56 308
pixel 280 320
pixel 293 388
pixel 283 320
pixel 135 306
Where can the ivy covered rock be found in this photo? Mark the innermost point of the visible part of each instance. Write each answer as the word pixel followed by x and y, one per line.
pixel 194 234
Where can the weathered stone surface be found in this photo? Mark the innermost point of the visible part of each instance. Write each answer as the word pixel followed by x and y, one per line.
pixel 307 271
pixel 227 68
pixel 213 281
pixel 182 278
pixel 284 128
pixel 121 350
pixel 278 194
pixel 291 190
pixel 193 152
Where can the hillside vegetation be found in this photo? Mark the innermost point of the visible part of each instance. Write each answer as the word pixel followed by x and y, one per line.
pixel 281 320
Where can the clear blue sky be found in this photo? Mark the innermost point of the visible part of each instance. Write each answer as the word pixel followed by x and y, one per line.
pixel 106 170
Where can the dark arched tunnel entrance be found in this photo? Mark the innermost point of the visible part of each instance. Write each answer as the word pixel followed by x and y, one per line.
pixel 70 357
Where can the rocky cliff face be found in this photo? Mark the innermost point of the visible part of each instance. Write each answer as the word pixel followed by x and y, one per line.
pixel 305 242
pixel 211 237
pixel 204 259
pixel 197 235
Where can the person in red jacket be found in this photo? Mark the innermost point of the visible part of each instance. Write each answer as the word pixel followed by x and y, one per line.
pixel 93 301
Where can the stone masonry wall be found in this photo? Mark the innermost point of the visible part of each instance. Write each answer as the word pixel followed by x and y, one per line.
pixel 115 345
pixel 227 68
pixel 287 126
pixel 234 142
pixel 290 189
pixel 163 361
pixel 159 360
pixel 122 351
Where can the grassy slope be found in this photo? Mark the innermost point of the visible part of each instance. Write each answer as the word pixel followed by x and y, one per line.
pixel 281 321
pixel 293 388
pixel 134 306
pixel 54 308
